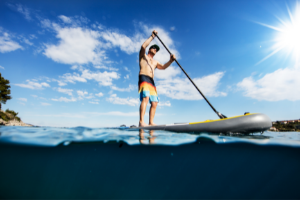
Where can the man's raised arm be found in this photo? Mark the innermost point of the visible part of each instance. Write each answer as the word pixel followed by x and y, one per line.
pixel 160 66
pixel 146 43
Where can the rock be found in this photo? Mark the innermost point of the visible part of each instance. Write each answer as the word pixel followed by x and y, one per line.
pixel 2 122
pixel 15 122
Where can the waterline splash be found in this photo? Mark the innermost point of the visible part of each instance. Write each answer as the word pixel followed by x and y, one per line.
pixel 51 136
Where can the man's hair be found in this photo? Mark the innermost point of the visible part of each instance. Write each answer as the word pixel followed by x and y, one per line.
pixel 155 46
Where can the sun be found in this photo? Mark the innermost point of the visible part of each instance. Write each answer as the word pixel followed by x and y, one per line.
pixel 288 36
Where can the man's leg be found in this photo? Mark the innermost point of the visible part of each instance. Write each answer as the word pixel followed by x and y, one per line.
pixel 143 107
pixel 152 112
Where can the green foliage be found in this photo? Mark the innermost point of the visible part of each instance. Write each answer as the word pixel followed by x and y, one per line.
pixel 9 115
pixel 18 118
pixel 11 112
pixel 286 127
pixel 4 116
pixel 4 90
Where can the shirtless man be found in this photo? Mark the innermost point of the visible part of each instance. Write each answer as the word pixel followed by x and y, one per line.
pixel 147 87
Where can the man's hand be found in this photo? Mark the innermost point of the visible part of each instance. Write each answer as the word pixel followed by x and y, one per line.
pixel 172 57
pixel 154 33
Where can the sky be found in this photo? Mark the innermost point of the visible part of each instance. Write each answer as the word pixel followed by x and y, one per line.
pixel 75 63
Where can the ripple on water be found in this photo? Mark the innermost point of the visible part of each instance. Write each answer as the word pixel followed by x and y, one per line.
pixel 52 136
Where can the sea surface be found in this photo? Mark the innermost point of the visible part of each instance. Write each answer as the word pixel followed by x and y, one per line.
pixel 121 163
pixel 51 136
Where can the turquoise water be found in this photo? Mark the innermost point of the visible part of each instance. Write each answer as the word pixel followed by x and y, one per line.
pixel 51 136
pixel 118 163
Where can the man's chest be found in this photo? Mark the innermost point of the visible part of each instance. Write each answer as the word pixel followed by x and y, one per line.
pixel 149 61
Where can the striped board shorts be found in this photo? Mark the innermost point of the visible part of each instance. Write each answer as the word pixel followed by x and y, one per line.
pixel 147 88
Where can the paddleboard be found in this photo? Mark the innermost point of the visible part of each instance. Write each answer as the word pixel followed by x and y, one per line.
pixel 248 123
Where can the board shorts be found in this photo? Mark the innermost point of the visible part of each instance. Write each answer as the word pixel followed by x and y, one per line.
pixel 147 88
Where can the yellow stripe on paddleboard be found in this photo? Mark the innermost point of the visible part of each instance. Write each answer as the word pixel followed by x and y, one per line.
pixel 207 121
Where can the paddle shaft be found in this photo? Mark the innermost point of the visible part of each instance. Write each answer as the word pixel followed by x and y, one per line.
pixel 219 114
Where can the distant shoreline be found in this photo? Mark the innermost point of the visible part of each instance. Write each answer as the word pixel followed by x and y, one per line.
pixel 9 118
pixel 13 123
pixel 286 126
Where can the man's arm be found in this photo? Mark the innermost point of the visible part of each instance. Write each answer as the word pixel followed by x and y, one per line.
pixel 146 43
pixel 165 66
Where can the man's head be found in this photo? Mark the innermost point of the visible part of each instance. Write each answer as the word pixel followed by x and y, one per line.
pixel 154 49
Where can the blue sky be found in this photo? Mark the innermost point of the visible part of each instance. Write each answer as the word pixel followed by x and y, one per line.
pixel 76 64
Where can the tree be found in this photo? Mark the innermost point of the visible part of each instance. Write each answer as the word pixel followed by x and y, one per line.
pixel 4 90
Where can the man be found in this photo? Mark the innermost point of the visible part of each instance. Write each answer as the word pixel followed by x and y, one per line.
pixel 147 87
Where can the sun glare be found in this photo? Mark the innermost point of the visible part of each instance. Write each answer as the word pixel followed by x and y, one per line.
pixel 288 36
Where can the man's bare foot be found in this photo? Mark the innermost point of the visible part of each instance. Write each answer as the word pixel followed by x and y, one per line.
pixel 142 124
pixel 152 124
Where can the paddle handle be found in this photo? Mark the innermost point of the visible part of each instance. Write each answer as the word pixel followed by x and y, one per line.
pixel 219 114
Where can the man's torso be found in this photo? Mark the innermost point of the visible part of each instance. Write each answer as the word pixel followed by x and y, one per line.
pixel 147 66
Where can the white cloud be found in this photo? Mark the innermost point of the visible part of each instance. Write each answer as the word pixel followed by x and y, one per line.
pixel 72 78
pixel 77 67
pixel 7 44
pixel 93 102
pixel 64 99
pixel 126 77
pixel 1 67
pixel 167 103
pixel 74 21
pixel 66 91
pixel 282 84
pixel 104 78
pixel 182 88
pixel 125 43
pixel 32 36
pixel 126 69
pixel 168 73
pixel 46 23
pixel 79 45
pixel 100 94
pixel 65 19
pixel 22 99
pixel 128 89
pixel 76 45
pixel 172 28
pixel 123 101
pixel 45 104
pixel 25 40
pixel 21 9
pixel 90 96
pixel 74 67
pixel 133 44
pixel 35 96
pixel 81 93
pixel 33 85
pixel 60 83
pixel 108 68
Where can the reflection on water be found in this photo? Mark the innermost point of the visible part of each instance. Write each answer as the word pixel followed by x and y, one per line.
pixel 51 136
pixel 243 136
pixel 150 138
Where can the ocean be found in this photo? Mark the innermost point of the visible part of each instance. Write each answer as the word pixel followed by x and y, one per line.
pixel 119 163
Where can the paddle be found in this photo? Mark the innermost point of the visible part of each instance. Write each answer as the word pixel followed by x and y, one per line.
pixel 219 114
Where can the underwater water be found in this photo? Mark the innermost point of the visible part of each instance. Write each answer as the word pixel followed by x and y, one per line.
pixel 120 163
